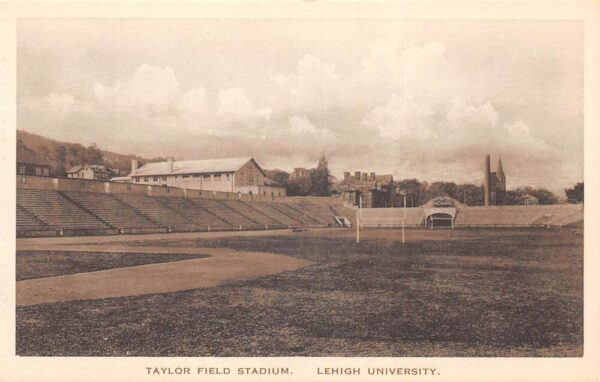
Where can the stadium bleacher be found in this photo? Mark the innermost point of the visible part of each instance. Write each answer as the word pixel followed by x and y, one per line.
pixel 194 213
pixel 321 213
pixel 294 213
pixel 229 215
pixel 275 214
pixel 157 212
pixel 112 211
pixel 48 212
pixel 57 212
pixel 256 216
pixel 518 216
pixel 28 222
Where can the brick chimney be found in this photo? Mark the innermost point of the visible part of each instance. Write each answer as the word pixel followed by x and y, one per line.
pixel 170 162
pixel 134 166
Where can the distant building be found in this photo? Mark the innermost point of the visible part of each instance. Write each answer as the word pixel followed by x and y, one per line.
pixel 494 184
pixel 529 200
pixel 92 171
pixel 376 191
pixel 30 163
pixel 37 169
pixel 300 172
pixel 238 175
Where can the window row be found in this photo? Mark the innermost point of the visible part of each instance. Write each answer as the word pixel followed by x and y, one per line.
pixel 205 177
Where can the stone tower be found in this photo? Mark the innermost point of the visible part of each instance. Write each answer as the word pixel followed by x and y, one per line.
pixel 486 181
pixel 494 183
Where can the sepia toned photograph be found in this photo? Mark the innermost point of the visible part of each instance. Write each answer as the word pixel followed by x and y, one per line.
pixel 223 187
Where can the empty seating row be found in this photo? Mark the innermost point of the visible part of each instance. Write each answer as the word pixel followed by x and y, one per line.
pixel 275 214
pixel 296 214
pixel 109 209
pixel 557 215
pixel 195 214
pixel 320 212
pixel 154 210
pixel 244 209
pixel 232 217
pixel 56 211
pixel 28 222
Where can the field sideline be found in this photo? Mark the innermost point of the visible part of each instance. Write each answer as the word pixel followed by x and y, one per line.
pixel 444 293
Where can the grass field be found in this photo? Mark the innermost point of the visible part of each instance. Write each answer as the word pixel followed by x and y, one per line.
pixel 37 264
pixel 444 293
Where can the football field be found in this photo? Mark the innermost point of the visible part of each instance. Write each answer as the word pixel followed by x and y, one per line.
pixel 311 293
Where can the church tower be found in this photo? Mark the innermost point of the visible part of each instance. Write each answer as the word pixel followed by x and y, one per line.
pixel 494 184
pixel 322 162
pixel 486 181
pixel 501 182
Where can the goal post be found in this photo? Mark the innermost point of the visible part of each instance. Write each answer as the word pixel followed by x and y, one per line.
pixel 393 222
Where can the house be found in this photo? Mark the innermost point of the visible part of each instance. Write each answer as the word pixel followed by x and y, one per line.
pixel 368 189
pixel 529 200
pixel 93 171
pixel 237 175
pixel 38 169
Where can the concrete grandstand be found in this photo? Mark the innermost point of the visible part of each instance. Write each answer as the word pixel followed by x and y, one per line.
pixel 448 212
pixel 64 207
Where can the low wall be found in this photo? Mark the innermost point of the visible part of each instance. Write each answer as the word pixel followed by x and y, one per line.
pixel 471 217
pixel 324 200
pixel 35 182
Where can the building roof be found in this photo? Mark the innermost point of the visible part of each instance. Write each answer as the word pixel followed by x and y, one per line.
pixel 272 183
pixel 195 166
pixel 74 169
pixel 94 167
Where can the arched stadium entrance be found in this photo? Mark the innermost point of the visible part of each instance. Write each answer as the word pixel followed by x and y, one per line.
pixel 440 212
pixel 439 220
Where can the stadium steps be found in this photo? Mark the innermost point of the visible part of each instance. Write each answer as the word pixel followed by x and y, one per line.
pixel 305 210
pixel 566 218
pixel 63 193
pixel 58 212
pixel 227 214
pixel 113 212
pixel 295 214
pixel 575 227
pixel 26 221
pixel 157 212
pixel 268 210
pixel 199 216
pixel 256 216
pixel 322 213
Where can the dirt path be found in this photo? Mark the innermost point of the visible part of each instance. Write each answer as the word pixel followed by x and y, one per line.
pixel 223 266
pixel 43 242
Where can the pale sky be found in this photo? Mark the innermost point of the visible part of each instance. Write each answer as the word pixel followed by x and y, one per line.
pixel 423 99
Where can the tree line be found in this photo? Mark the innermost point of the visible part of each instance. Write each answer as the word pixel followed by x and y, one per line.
pixel 63 156
pixel 319 183
pixel 418 193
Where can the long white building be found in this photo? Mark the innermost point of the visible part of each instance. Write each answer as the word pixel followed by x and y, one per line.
pixel 238 175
